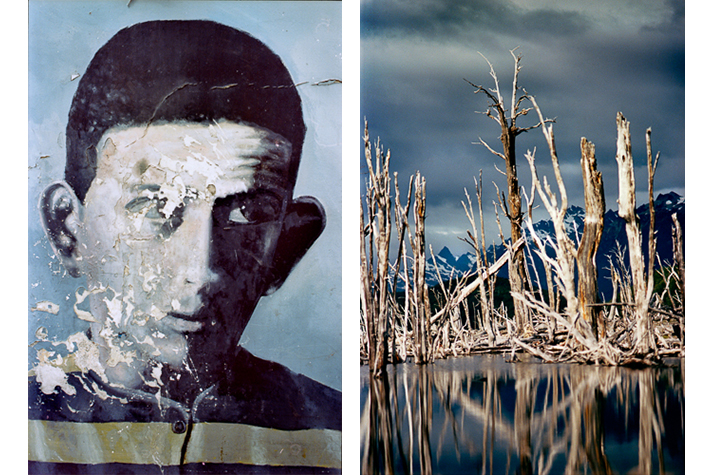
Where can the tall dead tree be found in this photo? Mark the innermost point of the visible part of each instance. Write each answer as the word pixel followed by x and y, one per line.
pixel 568 257
pixel 508 122
pixel 402 222
pixel 642 282
pixel 595 206
pixel 565 251
pixel 374 274
pixel 420 295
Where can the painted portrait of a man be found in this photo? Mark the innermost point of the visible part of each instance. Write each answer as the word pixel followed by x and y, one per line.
pixel 177 213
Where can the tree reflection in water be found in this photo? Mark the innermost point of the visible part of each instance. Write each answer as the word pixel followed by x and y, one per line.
pixel 482 415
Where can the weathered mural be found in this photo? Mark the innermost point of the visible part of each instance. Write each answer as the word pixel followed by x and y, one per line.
pixel 168 208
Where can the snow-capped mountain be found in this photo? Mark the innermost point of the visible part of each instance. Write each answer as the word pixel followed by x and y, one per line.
pixel 450 266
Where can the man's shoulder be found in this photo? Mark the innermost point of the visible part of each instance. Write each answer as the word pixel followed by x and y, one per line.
pixel 254 391
pixel 85 398
pixel 265 393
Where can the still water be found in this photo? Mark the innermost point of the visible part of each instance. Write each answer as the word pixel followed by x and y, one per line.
pixel 482 415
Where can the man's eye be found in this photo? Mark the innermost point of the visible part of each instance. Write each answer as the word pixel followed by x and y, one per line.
pixel 137 205
pixel 237 216
pixel 152 207
pixel 254 209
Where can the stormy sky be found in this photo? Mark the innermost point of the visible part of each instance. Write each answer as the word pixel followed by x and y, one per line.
pixel 583 61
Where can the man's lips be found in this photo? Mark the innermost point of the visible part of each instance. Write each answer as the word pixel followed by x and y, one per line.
pixel 180 323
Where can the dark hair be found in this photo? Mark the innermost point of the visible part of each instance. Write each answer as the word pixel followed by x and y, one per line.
pixel 168 71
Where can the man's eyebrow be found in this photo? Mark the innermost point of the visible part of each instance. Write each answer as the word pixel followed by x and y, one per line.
pixel 149 186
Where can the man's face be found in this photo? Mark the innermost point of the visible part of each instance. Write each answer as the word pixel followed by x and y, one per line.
pixel 179 215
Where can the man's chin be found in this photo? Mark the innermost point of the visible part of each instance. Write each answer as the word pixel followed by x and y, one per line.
pixel 171 350
pixel 168 343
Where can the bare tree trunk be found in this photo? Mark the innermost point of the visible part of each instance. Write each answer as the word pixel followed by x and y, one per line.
pixel 595 206
pixel 402 223
pixel 366 303
pixel 479 248
pixel 491 282
pixel 650 267
pixel 627 211
pixel 679 260
pixel 678 255
pixel 566 253
pixel 381 229
pixel 516 268
pixel 422 312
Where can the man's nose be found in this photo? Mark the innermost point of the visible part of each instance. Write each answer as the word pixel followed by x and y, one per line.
pixel 198 235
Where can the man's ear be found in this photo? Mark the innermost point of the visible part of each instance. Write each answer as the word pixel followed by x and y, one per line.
pixel 60 212
pixel 304 222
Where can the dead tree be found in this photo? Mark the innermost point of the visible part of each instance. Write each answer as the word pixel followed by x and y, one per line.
pixel 512 209
pixel 565 250
pixel 595 206
pixel 642 284
pixel 479 248
pixel 366 295
pixel 679 260
pixel 402 223
pixel 580 297
pixel 420 294
pixel 552 295
pixel 375 275
pixel 567 255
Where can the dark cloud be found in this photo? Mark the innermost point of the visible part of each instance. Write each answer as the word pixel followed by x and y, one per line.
pixel 439 20
pixel 582 64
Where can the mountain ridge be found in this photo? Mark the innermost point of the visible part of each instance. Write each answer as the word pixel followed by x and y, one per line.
pixel 451 266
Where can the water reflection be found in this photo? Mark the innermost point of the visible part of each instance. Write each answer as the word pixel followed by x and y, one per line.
pixel 483 415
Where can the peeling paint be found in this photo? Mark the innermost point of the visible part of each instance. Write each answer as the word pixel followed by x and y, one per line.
pixel 85 354
pixel 46 306
pixel 80 297
pixel 327 82
pixel 51 377
pixel 103 395
pixel 114 307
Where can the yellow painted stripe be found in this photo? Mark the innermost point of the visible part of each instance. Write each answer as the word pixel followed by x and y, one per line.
pixel 106 442
pixel 155 443
pixel 213 442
